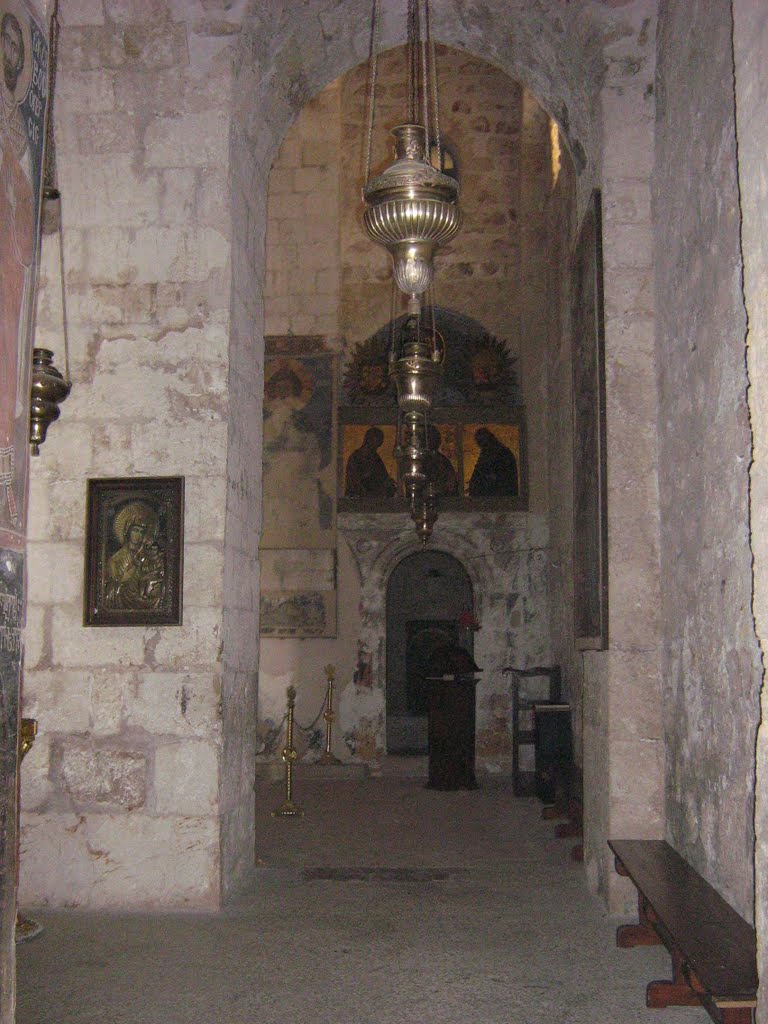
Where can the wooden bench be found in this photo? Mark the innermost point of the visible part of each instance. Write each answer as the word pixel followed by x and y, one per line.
pixel 713 948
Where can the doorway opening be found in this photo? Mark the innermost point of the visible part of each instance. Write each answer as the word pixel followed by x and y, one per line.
pixel 426 594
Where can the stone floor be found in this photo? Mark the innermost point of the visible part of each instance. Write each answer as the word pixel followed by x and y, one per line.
pixel 386 904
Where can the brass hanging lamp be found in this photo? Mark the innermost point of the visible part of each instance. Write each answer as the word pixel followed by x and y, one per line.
pixel 49 387
pixel 48 390
pixel 412 209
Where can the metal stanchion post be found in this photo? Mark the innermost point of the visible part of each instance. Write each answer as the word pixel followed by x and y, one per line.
pixel 288 808
pixel 327 757
pixel 26 928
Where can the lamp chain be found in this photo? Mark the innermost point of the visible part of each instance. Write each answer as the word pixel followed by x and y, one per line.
pixel 411 50
pixel 51 175
pixel 425 90
pixel 50 143
pixel 373 65
pixel 435 103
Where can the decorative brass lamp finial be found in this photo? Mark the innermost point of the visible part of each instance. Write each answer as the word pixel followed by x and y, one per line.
pixel 48 389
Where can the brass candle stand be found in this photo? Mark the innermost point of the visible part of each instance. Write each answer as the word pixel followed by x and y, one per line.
pixel 26 928
pixel 288 808
pixel 327 757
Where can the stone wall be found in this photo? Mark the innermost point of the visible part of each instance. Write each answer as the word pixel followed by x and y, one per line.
pixel 750 38
pixel 121 791
pixel 560 213
pixel 623 743
pixel 711 666
pixel 301 292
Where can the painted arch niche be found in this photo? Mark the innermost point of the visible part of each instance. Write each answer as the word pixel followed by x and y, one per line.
pixel 426 595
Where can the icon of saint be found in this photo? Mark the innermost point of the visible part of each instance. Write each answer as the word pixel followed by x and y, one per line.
pixel 135 573
pixel 495 472
pixel 367 476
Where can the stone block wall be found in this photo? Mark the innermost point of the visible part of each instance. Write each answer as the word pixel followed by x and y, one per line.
pixel 121 792
pixel 302 288
pixel 711 660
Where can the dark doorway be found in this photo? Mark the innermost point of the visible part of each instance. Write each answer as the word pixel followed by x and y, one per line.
pixel 426 594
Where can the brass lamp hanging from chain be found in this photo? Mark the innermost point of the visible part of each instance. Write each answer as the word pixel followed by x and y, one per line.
pixel 412 209
pixel 48 390
pixel 49 387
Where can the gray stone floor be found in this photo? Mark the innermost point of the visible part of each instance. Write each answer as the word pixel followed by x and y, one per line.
pixel 434 908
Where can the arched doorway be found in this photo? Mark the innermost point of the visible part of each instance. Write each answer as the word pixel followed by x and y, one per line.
pixel 426 593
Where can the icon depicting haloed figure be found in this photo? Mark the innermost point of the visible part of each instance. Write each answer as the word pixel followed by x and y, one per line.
pixel 135 573
pixel 17 237
pixel 367 476
pixel 495 472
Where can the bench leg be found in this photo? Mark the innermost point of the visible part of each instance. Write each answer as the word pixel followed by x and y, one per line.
pixel 736 1014
pixel 641 934
pixel 677 992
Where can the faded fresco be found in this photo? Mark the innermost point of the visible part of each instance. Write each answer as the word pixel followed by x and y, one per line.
pixel 298 596
pixel 309 610
pixel 298 452
pixel 23 100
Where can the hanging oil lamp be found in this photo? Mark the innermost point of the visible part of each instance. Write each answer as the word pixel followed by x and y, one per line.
pixel 48 390
pixel 412 209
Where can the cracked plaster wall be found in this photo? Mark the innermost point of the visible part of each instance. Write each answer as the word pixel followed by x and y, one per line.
pixel 505 555
pixel 750 39
pixel 711 667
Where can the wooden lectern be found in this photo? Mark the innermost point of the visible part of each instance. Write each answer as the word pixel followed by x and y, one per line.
pixel 452 680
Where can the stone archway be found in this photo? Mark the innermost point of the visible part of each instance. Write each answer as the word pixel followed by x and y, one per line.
pixel 599 99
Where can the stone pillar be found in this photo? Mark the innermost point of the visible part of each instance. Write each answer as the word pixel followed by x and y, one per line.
pixel 124 799
pixel 623 745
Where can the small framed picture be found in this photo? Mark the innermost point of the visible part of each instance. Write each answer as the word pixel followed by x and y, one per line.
pixel 134 550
